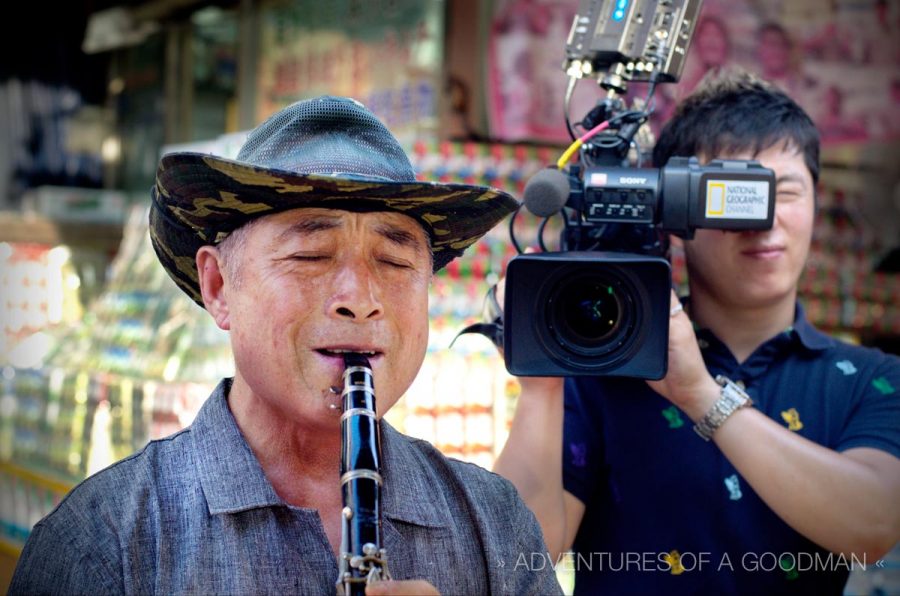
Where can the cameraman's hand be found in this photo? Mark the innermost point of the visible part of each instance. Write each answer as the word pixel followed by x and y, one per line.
pixel 687 383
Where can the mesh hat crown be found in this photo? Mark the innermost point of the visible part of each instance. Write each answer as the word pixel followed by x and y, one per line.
pixel 327 152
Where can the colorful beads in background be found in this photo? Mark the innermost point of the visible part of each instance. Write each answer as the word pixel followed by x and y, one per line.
pixel 463 398
pixel 503 166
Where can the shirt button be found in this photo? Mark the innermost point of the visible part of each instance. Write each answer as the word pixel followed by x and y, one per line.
pixel 703 344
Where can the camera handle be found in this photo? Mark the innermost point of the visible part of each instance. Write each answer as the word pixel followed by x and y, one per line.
pixel 491 325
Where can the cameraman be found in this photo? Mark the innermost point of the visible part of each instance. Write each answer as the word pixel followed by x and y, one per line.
pixel 795 489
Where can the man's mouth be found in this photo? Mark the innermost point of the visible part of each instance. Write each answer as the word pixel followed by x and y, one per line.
pixel 341 351
pixel 338 354
pixel 764 252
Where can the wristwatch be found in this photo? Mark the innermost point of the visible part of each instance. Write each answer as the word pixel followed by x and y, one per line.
pixel 733 398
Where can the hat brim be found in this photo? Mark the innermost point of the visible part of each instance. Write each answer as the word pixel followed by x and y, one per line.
pixel 199 199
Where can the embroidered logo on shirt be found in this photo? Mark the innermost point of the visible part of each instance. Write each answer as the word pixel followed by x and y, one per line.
pixel 788 565
pixel 733 484
pixel 792 417
pixel 674 561
pixel 846 367
pixel 579 454
pixel 883 386
pixel 673 416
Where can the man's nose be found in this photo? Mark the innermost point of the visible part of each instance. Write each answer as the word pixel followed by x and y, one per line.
pixel 357 293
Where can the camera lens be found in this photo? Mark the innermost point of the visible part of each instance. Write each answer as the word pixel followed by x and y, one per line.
pixel 589 312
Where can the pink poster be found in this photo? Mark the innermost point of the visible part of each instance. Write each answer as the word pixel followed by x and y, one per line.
pixel 526 84
pixel 840 60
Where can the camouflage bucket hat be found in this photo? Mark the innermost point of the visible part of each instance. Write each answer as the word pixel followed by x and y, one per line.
pixel 326 152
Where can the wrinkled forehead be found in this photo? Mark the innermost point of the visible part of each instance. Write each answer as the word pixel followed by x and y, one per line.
pixel 397 227
pixel 341 217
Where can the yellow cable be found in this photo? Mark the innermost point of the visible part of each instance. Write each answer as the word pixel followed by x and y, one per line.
pixel 564 159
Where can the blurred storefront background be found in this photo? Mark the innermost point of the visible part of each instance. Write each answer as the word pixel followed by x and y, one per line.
pixel 99 352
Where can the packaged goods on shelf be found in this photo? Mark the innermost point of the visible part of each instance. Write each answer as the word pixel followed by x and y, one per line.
pixel 38 289
pixel 137 366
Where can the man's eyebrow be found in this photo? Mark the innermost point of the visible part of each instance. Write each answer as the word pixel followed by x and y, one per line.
pixel 790 177
pixel 309 225
pixel 318 223
pixel 399 236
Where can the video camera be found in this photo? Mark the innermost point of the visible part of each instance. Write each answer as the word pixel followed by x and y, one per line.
pixel 600 306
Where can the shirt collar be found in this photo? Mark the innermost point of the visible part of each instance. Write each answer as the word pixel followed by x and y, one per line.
pixel 233 480
pixel 409 495
pixel 229 473
pixel 810 337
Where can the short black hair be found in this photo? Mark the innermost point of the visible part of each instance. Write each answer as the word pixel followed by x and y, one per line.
pixel 734 111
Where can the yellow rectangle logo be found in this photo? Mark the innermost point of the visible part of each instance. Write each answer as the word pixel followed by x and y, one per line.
pixel 715 199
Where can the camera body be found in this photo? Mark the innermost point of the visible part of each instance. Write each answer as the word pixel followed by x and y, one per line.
pixel 681 197
pixel 601 306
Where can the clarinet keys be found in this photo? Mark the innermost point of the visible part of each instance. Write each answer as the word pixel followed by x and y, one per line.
pixel 363 559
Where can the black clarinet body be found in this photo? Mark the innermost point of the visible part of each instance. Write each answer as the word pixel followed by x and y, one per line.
pixel 363 558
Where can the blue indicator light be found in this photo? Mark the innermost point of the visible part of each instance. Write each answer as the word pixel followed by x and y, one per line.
pixel 619 13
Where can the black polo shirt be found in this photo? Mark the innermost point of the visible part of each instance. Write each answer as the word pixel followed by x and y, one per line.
pixel 668 514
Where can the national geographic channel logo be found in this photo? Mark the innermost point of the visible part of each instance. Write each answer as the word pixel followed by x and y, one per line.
pixel 737 200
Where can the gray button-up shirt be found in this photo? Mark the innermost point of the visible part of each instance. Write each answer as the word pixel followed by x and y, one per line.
pixel 194 513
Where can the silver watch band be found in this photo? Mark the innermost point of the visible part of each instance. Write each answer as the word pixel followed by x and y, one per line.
pixel 732 399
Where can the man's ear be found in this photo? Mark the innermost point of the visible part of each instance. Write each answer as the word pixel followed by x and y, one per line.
pixel 212 285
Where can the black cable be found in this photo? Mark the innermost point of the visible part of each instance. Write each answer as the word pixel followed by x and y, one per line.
pixel 540 234
pixel 512 233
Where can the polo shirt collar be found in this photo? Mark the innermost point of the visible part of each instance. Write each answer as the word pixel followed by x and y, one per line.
pixel 809 337
pixel 233 480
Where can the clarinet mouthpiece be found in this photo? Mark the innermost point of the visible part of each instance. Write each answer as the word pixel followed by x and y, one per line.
pixel 356 359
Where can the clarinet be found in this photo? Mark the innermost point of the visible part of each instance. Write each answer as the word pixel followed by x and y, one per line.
pixel 363 559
